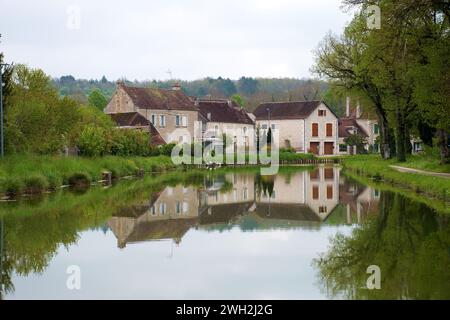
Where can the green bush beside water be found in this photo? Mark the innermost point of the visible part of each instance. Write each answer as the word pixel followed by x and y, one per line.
pixel 36 174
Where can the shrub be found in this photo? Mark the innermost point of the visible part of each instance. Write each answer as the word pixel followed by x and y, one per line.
pixel 12 186
pixel 166 150
pixel 92 141
pixel 35 184
pixel 79 180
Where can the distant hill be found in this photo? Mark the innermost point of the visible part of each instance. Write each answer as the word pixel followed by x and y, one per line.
pixel 252 90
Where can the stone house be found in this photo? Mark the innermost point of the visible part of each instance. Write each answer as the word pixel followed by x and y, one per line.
pixel 306 126
pixel 226 117
pixel 358 121
pixel 172 113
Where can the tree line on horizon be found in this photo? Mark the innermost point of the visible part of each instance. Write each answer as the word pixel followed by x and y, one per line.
pixel 246 91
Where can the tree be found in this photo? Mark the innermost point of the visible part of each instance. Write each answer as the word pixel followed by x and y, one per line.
pixel 247 86
pixel 97 99
pixel 358 141
pixel 238 99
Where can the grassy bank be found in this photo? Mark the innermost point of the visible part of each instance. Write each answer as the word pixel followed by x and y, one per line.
pixel 35 174
pixel 374 167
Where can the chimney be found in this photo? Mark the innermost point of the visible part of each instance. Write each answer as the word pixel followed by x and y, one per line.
pixel 230 103
pixel 176 86
pixel 120 83
pixel 208 116
pixel 358 111
pixel 196 102
pixel 347 108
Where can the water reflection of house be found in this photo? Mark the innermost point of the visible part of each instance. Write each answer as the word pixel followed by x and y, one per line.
pixel 167 215
pixel 314 191
pixel 359 201
pixel 305 199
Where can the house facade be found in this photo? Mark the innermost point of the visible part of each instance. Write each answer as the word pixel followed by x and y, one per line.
pixel 172 113
pixel 306 126
pixel 226 117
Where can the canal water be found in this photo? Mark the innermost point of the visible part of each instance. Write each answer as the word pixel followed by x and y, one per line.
pixel 302 234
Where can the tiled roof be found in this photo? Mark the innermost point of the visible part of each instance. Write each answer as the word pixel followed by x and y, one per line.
pixel 129 119
pixel 346 125
pixel 285 110
pixel 136 120
pixel 221 111
pixel 159 99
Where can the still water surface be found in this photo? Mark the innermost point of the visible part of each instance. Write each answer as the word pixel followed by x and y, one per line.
pixel 302 234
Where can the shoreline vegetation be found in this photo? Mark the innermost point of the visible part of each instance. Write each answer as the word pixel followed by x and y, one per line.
pixel 372 167
pixel 34 175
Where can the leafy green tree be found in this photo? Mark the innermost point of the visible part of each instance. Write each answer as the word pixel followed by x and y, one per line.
pixel 356 140
pixel 97 99
pixel 92 141
pixel 239 100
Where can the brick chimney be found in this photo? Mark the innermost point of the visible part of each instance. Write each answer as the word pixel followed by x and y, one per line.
pixel 347 107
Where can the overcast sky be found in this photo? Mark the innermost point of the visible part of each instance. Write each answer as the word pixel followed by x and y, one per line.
pixel 143 39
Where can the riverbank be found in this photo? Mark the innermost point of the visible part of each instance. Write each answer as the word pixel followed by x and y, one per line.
pixel 380 170
pixel 37 174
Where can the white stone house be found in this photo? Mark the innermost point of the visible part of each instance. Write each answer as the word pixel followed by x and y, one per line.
pixel 306 126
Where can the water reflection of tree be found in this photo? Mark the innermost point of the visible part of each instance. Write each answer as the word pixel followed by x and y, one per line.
pixel 32 234
pixel 407 240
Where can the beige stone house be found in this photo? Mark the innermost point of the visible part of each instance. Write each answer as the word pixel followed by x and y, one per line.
pixel 172 113
pixel 306 126
pixel 226 117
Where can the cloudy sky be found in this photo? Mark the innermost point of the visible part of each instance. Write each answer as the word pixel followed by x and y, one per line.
pixel 143 39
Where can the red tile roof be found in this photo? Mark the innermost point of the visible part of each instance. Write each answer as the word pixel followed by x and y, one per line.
pixel 222 111
pixel 349 124
pixel 129 119
pixel 159 99
pixel 136 120
pixel 286 110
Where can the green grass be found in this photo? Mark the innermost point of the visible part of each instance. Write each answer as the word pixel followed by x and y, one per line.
pixel 426 163
pixel 36 174
pixel 374 167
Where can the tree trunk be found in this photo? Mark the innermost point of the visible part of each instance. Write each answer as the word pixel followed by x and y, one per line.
pixel 400 136
pixel 385 134
pixel 443 146
pixel 407 141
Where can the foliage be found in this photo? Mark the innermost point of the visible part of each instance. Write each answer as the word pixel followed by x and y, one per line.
pixel 357 140
pixel 97 99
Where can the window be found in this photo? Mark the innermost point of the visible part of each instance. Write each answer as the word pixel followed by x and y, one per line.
pixel 178 207
pixel 329 192
pixel 153 211
pixel 184 121
pixel 323 209
pixel 273 127
pixel 153 121
pixel 329 173
pixel 162 208
pixel 315 129
pixel 315 192
pixel 264 126
pixel 185 207
pixel 322 113
pixel 329 129
pixel 177 120
pixel 162 121
pixel 245 194
pixel 244 130
pixel 376 128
